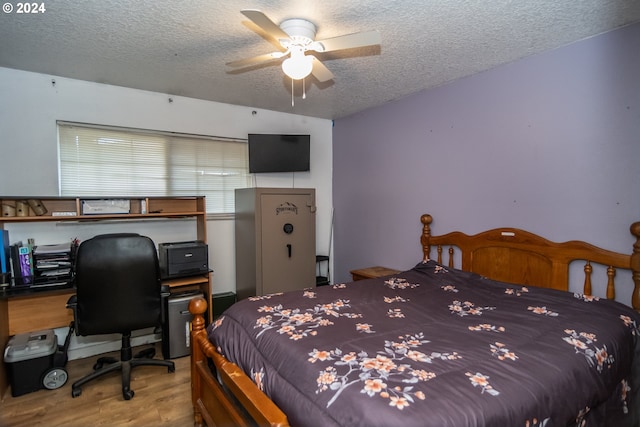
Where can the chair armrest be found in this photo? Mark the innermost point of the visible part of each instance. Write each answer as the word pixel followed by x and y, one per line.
pixel 165 293
pixel 72 304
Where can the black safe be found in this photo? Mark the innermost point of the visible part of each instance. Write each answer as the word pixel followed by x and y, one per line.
pixel 181 259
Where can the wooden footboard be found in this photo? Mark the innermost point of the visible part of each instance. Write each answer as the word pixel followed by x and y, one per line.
pixel 222 394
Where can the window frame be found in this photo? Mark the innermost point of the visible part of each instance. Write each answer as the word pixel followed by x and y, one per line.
pixel 217 168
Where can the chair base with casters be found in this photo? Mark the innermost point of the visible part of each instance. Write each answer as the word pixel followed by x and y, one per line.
pixel 127 361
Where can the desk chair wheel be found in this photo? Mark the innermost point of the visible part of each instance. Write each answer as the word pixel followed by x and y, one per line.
pixel 127 394
pixel 147 353
pixel 171 368
pixel 76 391
pixel 54 378
pixel 103 361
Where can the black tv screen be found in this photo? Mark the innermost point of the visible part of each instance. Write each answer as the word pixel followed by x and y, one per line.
pixel 278 153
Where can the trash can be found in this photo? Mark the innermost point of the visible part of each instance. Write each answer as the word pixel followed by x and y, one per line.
pixel 28 357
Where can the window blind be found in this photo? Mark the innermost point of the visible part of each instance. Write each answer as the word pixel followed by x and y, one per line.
pixel 117 162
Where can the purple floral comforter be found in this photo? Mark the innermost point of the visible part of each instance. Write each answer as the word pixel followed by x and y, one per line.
pixel 438 347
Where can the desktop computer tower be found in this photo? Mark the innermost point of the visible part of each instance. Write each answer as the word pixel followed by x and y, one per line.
pixel 176 332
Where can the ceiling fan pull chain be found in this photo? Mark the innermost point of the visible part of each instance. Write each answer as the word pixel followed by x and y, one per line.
pixel 292 102
pixel 304 90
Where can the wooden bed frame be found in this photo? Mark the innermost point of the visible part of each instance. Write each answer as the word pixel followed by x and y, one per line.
pixel 517 256
pixel 223 395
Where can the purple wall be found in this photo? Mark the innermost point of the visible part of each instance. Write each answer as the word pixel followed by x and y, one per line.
pixel 550 143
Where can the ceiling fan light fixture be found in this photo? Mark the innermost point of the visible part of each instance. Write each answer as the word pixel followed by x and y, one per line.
pixel 298 66
pixel 297 36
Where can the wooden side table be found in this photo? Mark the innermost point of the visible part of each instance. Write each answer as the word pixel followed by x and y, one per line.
pixel 372 272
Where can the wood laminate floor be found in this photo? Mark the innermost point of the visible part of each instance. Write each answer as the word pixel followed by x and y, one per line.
pixel 161 399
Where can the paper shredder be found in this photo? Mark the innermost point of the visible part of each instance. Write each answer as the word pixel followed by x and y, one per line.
pixel 176 333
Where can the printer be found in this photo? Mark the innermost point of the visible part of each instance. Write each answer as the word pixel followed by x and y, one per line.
pixel 181 259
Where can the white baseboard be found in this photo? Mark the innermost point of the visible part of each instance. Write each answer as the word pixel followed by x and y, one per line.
pixel 81 347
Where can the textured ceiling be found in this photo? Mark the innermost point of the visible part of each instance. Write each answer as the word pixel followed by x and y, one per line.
pixel 181 47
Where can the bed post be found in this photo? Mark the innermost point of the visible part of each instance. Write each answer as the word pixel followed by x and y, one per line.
pixel 635 266
pixel 197 306
pixel 425 238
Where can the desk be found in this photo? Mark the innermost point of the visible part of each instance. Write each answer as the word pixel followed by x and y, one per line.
pixel 26 311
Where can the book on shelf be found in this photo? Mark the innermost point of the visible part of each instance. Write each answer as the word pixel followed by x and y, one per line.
pixel 21 260
pixel 5 252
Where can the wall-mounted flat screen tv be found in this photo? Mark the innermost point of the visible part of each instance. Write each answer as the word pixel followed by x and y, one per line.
pixel 278 153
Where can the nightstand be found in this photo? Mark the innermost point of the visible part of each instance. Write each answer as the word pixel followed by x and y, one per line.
pixel 372 272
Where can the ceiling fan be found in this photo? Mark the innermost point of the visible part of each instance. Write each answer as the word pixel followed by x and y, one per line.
pixel 297 38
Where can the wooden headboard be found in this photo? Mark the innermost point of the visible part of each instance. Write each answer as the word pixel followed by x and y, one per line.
pixel 518 256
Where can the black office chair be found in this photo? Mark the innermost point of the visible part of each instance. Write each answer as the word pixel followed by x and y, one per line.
pixel 117 277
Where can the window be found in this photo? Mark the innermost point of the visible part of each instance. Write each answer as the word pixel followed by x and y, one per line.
pixel 117 162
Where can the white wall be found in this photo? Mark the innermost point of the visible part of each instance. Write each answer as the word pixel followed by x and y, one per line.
pixel 31 103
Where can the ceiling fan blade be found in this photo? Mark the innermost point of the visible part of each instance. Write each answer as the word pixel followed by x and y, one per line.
pixel 320 71
pixel 256 59
pixel 348 41
pixel 266 24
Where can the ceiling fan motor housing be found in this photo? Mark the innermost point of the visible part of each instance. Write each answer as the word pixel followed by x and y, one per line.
pixel 301 31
